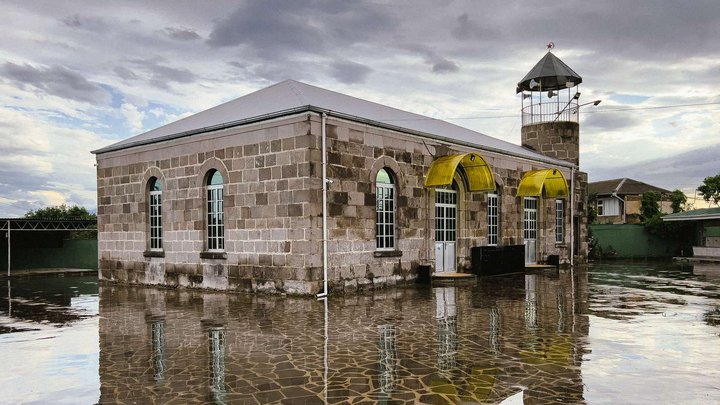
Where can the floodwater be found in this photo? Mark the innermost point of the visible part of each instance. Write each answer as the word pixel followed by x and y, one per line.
pixel 608 334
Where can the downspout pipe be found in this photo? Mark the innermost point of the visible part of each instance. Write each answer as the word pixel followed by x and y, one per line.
pixel 622 204
pixel 325 181
pixel 9 248
pixel 572 216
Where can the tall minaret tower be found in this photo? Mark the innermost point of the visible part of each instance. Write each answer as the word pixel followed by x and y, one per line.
pixel 550 109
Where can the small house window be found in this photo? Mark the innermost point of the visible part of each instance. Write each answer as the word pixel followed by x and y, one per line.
pixel 385 211
pixel 215 222
pixel 493 219
pixel 608 207
pixel 155 214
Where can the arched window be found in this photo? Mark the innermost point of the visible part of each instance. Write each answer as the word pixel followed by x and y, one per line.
pixel 385 210
pixel 215 223
pixel 155 212
pixel 493 218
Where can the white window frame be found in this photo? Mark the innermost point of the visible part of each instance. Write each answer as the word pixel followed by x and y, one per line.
pixel 559 221
pixel 446 208
pixel 155 217
pixel 385 214
pixel 215 218
pixel 530 218
pixel 610 207
pixel 493 212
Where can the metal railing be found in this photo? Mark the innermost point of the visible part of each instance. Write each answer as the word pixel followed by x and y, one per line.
pixel 550 112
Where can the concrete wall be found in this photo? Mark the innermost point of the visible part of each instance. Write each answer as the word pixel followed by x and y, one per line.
pixel 273 209
pixel 632 241
pixel 68 254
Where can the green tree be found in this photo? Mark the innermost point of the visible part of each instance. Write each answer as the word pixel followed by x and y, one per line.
pixel 678 200
pixel 591 208
pixel 60 212
pixel 649 206
pixel 65 212
pixel 710 190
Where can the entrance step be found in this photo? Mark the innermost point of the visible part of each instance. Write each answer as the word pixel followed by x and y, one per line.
pixel 539 266
pixel 453 278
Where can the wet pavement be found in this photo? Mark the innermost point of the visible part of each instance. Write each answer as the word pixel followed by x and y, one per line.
pixel 613 333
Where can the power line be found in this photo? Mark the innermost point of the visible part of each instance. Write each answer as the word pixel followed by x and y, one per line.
pixel 660 107
pixel 593 111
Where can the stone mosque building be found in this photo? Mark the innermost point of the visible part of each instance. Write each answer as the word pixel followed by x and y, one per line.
pixel 297 189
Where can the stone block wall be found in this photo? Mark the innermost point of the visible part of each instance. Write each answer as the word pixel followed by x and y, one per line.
pixel 357 152
pixel 273 208
pixel 559 140
pixel 271 194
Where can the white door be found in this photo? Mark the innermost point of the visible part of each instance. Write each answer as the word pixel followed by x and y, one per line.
pixel 530 229
pixel 445 230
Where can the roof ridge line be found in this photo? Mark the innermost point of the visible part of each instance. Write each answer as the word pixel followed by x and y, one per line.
pixel 619 186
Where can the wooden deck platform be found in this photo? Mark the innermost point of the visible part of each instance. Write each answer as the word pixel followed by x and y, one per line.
pixel 539 266
pixel 453 278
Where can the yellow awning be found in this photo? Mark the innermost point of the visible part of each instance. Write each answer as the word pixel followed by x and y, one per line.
pixel 479 174
pixel 548 183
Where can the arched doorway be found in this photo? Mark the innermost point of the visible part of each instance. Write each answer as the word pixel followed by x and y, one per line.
pixel 446 213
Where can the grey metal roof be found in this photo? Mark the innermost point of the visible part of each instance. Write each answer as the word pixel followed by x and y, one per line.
pixel 550 74
pixel 694 215
pixel 291 97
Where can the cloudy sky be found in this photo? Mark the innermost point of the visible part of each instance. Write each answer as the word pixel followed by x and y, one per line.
pixel 78 75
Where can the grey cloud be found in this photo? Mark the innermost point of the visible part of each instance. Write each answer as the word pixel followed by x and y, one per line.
pixel 684 171
pixel 181 34
pixel 271 72
pixel 125 73
pixel 609 121
pixel 438 63
pixel 58 81
pixel 274 28
pixel 95 24
pixel 14 181
pixel 445 66
pixel 660 31
pixel 469 29
pixel 633 30
pixel 349 72
pixel 161 75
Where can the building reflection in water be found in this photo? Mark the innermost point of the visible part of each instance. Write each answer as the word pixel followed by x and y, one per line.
pixel 531 304
pixel 214 321
pixel 447 341
pixel 157 356
pixel 561 303
pixel 494 330
pixel 217 363
pixel 388 358
pixel 155 318
pixel 461 344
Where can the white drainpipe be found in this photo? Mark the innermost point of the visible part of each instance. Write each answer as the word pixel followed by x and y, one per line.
pixel 622 204
pixel 572 216
pixel 325 182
